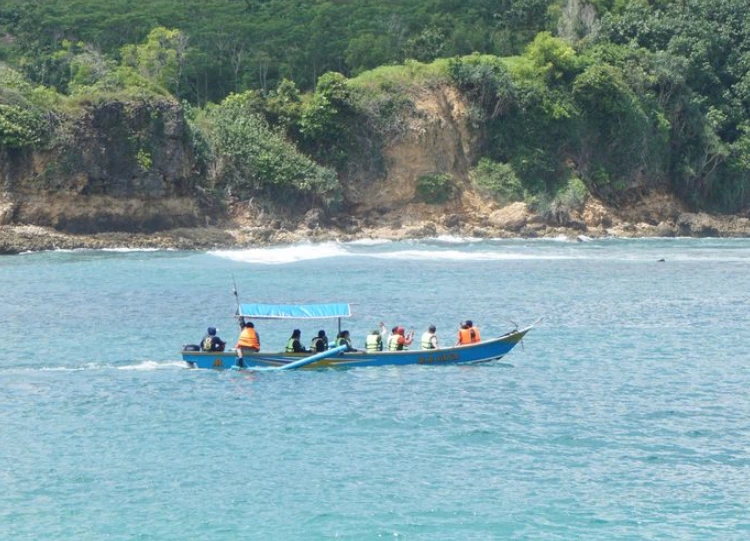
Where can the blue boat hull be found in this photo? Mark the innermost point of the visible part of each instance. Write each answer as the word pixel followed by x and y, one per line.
pixel 489 350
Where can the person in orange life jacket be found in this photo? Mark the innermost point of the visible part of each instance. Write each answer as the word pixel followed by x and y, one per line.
pixel 399 340
pixel 294 344
pixel 249 338
pixel 465 335
pixel 211 342
pixel 320 342
pixel 474 332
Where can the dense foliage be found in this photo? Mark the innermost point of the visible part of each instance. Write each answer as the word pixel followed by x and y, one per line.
pixel 235 45
pixel 569 96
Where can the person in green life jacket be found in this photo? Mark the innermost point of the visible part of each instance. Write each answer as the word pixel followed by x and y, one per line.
pixel 398 340
pixel 429 338
pixel 294 344
pixel 343 339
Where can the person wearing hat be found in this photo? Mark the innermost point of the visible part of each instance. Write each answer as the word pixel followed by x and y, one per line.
pixel 211 342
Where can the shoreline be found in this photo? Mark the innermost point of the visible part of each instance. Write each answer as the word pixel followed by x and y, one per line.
pixel 17 239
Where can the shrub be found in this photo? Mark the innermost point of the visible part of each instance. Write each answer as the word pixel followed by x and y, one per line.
pixel 498 180
pixel 250 157
pixel 20 127
pixel 436 188
pixel 572 196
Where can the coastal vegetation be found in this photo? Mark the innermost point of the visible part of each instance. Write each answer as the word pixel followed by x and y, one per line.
pixel 285 101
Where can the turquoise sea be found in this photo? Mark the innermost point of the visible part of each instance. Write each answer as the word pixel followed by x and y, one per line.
pixel 624 415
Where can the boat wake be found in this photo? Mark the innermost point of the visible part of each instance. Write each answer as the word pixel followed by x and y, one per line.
pixel 98 366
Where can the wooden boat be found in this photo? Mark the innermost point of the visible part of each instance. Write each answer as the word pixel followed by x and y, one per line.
pixel 340 357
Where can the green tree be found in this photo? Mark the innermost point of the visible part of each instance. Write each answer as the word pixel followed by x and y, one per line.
pixel 161 58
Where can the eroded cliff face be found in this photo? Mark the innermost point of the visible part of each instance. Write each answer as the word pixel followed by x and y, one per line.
pixel 116 167
pixel 438 139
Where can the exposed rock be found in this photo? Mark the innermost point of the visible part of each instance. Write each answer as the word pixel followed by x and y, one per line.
pixel 511 218
pixel 697 225
pixel 313 218
pixel 452 220
pixel 665 229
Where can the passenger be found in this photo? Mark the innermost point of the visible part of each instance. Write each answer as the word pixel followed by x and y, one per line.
pixel 398 340
pixel 320 342
pixel 294 345
pixel 343 339
pixel 464 334
pixel 249 338
pixel 374 341
pixel 474 332
pixel 211 342
pixel 429 338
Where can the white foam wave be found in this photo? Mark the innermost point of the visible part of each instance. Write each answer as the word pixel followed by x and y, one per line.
pixel 369 242
pixel 153 365
pixel 284 254
pixel 127 250
pixel 456 255
pixel 450 239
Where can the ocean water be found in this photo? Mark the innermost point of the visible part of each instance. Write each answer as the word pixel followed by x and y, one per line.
pixel 625 414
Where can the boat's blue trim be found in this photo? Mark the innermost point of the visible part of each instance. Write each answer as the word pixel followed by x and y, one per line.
pixel 294 311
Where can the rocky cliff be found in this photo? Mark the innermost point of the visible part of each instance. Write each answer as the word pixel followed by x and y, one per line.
pixel 115 167
pixel 125 174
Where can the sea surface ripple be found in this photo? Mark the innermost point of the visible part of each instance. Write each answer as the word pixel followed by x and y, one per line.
pixel 623 415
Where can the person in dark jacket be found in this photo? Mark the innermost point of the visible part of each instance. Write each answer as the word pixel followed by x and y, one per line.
pixel 294 344
pixel 211 342
pixel 320 342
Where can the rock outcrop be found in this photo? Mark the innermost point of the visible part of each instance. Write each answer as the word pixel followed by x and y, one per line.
pixel 118 167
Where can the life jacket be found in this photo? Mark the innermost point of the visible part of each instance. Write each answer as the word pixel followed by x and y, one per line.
pixel 316 342
pixel 427 340
pixel 475 334
pixel 290 345
pixel 373 342
pixel 464 336
pixel 342 341
pixel 394 343
pixel 248 339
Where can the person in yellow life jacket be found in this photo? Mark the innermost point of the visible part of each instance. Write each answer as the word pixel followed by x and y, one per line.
pixel 294 344
pixel 399 340
pixel 474 332
pixel 429 338
pixel 464 334
pixel 374 342
pixel 343 339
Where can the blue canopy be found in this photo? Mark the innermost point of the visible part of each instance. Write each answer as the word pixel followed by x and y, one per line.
pixel 294 311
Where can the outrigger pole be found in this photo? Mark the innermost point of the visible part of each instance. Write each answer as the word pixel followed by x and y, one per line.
pixel 236 295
